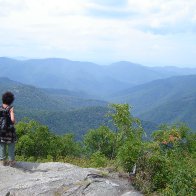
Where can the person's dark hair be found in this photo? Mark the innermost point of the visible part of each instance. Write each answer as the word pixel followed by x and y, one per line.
pixel 8 98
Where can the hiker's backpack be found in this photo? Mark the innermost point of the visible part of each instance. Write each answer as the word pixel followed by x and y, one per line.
pixel 5 119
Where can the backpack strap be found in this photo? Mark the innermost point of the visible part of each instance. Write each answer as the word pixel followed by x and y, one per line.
pixel 7 108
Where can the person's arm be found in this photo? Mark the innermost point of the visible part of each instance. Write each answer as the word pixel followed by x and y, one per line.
pixel 12 115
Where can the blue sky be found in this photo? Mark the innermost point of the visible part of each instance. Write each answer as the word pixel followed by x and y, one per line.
pixel 149 32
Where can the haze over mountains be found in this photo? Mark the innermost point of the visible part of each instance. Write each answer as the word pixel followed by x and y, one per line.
pixel 93 80
pixel 74 91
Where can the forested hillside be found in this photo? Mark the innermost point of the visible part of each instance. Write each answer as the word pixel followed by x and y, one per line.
pixel 163 101
pixel 178 110
pixel 62 113
pixel 58 110
pixel 31 98
pixel 77 122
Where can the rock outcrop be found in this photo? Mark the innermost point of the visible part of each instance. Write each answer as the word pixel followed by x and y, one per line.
pixel 55 179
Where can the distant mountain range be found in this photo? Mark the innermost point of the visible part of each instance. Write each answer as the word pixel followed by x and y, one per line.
pixel 68 95
pixel 91 80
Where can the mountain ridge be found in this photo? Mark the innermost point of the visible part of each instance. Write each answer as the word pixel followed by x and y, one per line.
pixel 96 80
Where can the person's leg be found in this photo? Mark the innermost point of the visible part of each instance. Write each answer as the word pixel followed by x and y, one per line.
pixel 11 152
pixel 2 153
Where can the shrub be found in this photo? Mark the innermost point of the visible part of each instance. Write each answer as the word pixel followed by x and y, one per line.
pixel 129 153
pixel 167 165
pixel 152 172
pixel 102 140
pixel 98 159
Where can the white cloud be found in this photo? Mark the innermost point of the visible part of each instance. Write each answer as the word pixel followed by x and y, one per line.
pixel 144 31
pixel 162 16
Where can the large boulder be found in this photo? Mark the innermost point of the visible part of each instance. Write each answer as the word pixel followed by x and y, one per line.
pixel 57 179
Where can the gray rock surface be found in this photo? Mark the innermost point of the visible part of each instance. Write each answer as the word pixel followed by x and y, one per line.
pixel 55 179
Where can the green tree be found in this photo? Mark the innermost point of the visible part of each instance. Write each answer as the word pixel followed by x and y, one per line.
pixel 129 153
pixel 69 147
pixel 126 125
pixel 36 140
pixel 102 140
pixel 25 146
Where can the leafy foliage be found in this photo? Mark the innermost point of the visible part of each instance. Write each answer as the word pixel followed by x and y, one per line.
pixel 35 140
pixel 100 140
pixel 167 165
pixel 123 143
pixel 129 153
pixel 98 159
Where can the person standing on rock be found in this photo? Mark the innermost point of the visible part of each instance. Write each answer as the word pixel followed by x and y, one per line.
pixel 7 130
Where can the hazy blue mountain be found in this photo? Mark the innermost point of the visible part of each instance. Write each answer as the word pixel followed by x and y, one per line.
pixel 64 92
pixel 85 77
pixel 164 100
pixel 134 73
pixel 61 73
pixel 171 70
